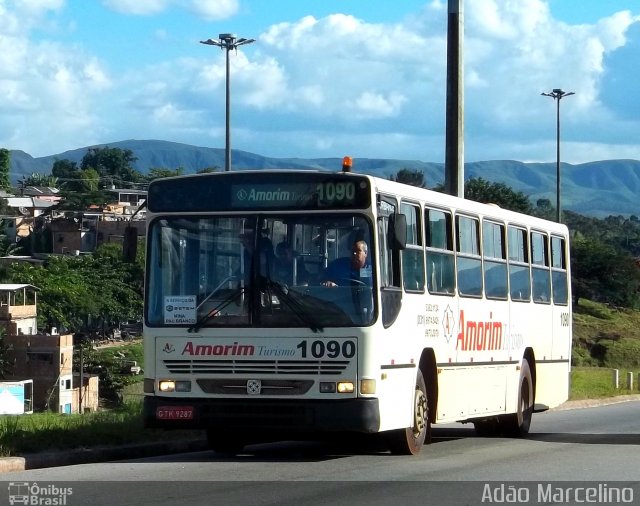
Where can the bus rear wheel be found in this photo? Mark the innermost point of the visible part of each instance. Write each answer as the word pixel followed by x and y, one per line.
pixel 225 443
pixel 409 441
pixel 517 424
pixel 487 428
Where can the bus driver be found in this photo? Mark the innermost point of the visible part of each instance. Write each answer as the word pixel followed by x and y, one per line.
pixel 345 269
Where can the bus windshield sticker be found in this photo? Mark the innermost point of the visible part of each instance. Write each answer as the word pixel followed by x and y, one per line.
pixel 179 309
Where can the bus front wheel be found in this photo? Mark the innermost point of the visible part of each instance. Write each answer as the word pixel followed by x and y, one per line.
pixel 409 441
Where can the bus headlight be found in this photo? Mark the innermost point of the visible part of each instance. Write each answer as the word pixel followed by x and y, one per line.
pixel 368 386
pixel 167 386
pixel 345 387
pixel 174 386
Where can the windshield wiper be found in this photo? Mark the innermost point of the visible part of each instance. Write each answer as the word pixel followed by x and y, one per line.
pixel 215 290
pixel 223 303
pixel 282 291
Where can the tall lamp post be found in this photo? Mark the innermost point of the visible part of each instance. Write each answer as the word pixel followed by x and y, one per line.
pixel 557 94
pixel 227 41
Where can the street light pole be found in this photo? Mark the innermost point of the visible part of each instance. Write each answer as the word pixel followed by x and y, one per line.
pixel 227 41
pixel 557 94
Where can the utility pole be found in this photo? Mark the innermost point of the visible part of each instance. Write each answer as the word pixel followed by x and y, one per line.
pixel 454 150
pixel 557 94
pixel 227 41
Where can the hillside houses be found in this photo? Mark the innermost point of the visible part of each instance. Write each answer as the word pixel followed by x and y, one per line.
pixel 36 211
pixel 43 359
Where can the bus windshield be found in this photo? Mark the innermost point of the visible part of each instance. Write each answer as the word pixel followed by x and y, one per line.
pixel 311 271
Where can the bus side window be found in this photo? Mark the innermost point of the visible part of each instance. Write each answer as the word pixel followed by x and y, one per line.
pixel 440 257
pixel 559 271
pixel 413 254
pixel 494 251
pixel 469 260
pixel 540 274
pixel 519 270
pixel 390 275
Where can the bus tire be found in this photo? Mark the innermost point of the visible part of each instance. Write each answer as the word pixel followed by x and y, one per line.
pixel 224 443
pixel 517 424
pixel 409 441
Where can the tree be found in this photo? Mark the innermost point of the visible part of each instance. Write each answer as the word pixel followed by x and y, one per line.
pixel 35 179
pixel 68 174
pixel 602 274
pixel 481 190
pixel 5 364
pixel 414 177
pixel 90 180
pixel 5 168
pixel 158 173
pixel 113 164
pixel 544 209
pixel 82 293
pixel 6 246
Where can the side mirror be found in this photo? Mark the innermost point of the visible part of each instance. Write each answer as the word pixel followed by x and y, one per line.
pixel 130 244
pixel 397 232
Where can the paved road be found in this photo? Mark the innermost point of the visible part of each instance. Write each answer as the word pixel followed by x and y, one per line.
pixel 597 445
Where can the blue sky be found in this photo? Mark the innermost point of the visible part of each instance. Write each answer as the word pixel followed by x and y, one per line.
pixel 323 79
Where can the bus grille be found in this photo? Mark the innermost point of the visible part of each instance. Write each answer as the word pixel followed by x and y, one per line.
pixel 268 387
pixel 255 367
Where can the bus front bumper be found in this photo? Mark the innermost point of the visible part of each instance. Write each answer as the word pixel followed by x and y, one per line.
pixel 273 415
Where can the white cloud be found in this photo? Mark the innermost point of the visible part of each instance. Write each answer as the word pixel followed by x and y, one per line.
pixel 20 15
pixel 214 10
pixel 137 7
pixel 325 86
pixel 377 105
pixel 209 10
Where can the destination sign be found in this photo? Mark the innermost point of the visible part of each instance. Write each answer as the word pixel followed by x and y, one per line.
pixel 322 194
pixel 259 190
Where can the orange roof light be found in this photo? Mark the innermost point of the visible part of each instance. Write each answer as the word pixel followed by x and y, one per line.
pixel 347 163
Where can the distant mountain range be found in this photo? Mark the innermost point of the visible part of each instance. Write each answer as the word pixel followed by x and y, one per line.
pixel 598 189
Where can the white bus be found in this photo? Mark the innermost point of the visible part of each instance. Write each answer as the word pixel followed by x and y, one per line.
pixel 460 313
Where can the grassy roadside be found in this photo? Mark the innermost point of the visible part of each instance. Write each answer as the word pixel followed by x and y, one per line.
pixel 41 432
pixel 597 383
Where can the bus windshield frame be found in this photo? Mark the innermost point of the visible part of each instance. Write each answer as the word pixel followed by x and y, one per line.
pixel 267 270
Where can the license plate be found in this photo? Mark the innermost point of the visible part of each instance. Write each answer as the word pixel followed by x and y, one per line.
pixel 174 413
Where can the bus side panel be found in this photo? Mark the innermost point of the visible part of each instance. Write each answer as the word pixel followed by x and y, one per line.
pixel 552 371
pixel 452 406
pixel 399 358
pixel 396 398
pixel 539 330
pixel 484 350
pixel 552 385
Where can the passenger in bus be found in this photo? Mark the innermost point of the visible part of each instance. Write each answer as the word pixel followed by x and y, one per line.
pixel 349 270
pixel 265 249
pixel 289 268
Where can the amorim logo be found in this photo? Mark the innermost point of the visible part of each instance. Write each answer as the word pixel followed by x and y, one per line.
pixel 217 350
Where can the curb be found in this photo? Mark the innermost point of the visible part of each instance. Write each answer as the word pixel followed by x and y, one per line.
pixel 9 464
pixel 92 455
pixel 590 403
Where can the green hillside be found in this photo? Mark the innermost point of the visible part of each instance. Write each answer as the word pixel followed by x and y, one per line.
pixel 606 336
